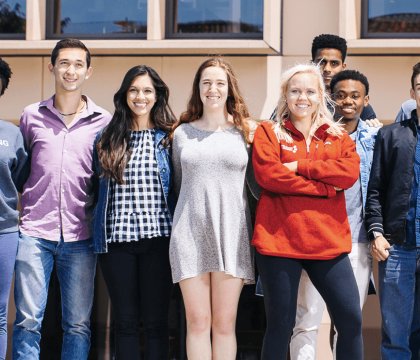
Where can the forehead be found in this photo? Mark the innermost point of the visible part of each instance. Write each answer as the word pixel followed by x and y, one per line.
pixel 304 80
pixel 214 72
pixel 350 85
pixel 73 54
pixel 143 81
pixel 329 54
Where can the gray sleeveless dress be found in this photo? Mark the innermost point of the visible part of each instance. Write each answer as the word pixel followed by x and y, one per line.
pixel 212 227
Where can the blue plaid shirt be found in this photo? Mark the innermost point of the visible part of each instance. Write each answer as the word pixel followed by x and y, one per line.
pixel 413 218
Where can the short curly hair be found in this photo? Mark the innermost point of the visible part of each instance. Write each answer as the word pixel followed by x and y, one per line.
pixel 328 41
pixel 5 75
pixel 350 75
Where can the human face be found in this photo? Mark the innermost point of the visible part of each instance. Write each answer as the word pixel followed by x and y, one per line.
pixel 70 69
pixel 331 63
pixel 302 95
pixel 351 99
pixel 141 96
pixel 214 88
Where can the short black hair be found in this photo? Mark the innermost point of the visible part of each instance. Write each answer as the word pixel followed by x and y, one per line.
pixel 416 71
pixel 328 41
pixel 69 44
pixel 350 75
pixel 5 75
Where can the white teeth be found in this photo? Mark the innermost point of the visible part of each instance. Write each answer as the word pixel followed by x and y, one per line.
pixel 302 106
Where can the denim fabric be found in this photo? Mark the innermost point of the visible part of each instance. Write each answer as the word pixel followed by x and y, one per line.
pixel 405 111
pixel 365 145
pixel 76 265
pixel 399 281
pixel 8 246
pixel 101 188
pixel 413 216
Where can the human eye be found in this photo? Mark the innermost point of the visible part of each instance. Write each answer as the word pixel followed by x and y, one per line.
pixel 356 96
pixel 335 63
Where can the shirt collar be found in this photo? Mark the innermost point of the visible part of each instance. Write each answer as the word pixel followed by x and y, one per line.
pixel 92 108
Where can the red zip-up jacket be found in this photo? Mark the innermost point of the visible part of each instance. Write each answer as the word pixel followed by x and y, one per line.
pixel 300 215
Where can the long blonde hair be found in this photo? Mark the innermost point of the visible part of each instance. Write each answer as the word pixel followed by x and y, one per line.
pixel 320 116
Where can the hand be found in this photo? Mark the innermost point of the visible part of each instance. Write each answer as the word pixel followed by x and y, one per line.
pixel 337 188
pixel 379 248
pixel 374 123
pixel 292 166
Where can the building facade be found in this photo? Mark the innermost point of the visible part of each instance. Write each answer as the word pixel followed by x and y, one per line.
pixel 261 38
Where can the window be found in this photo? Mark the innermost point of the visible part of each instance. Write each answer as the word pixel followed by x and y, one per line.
pixel 12 19
pixel 104 19
pixel 214 19
pixel 391 18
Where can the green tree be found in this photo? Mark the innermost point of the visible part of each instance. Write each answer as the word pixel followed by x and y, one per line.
pixel 12 20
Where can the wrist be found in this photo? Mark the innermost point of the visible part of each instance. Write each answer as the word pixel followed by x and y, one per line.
pixel 374 234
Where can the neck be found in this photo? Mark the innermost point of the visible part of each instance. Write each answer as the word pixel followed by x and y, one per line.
pixel 302 124
pixel 217 118
pixel 67 102
pixel 142 123
pixel 351 126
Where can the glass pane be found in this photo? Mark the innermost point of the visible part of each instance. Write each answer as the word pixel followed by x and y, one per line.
pixel 218 16
pixel 12 16
pixel 100 17
pixel 394 16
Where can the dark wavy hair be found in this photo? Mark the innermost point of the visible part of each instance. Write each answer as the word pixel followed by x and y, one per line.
pixel 235 103
pixel 5 75
pixel 350 75
pixel 416 72
pixel 328 41
pixel 113 144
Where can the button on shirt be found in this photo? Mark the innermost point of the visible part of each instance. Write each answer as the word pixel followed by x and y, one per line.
pixel 58 196
pixel 413 217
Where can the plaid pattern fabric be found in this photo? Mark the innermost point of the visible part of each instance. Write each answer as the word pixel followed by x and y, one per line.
pixel 138 209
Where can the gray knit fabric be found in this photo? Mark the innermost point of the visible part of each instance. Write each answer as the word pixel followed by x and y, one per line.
pixel 212 227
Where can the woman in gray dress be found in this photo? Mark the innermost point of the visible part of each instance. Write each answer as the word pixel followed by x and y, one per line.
pixel 210 250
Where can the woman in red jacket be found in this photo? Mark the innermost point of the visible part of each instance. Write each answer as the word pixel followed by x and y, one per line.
pixel 303 160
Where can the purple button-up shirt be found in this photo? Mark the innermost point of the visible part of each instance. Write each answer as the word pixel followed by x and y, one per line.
pixel 58 196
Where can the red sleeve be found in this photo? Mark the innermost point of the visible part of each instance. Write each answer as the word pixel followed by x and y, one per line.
pixel 342 172
pixel 272 175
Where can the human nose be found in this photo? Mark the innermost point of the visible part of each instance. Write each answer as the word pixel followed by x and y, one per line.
pixel 140 95
pixel 302 95
pixel 347 100
pixel 71 69
pixel 327 67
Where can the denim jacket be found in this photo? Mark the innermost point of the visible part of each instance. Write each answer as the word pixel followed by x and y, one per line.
pixel 365 145
pixel 101 188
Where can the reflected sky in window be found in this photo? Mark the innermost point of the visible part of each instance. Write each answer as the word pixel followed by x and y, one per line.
pixel 12 16
pixel 239 15
pixel 102 16
pixel 390 7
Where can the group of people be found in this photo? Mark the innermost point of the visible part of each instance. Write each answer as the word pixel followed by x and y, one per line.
pixel 160 200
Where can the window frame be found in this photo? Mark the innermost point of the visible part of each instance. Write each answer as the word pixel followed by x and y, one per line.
pixel 49 30
pixel 365 34
pixel 169 25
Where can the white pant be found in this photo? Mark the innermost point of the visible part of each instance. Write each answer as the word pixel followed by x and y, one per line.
pixel 310 305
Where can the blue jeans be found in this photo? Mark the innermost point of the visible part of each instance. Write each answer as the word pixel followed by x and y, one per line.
pixel 76 265
pixel 399 281
pixel 8 246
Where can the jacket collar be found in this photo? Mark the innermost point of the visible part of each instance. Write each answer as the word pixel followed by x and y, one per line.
pixel 92 108
pixel 289 126
pixel 159 135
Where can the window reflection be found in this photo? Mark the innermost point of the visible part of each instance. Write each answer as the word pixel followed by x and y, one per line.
pixel 394 16
pixel 100 17
pixel 218 16
pixel 12 16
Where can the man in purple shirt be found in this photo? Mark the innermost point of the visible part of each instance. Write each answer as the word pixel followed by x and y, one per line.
pixel 57 207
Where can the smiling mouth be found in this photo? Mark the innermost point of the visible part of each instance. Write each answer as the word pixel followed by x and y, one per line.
pixel 302 106
pixel 213 97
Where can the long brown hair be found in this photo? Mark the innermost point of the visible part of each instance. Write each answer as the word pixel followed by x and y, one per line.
pixel 113 145
pixel 235 103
